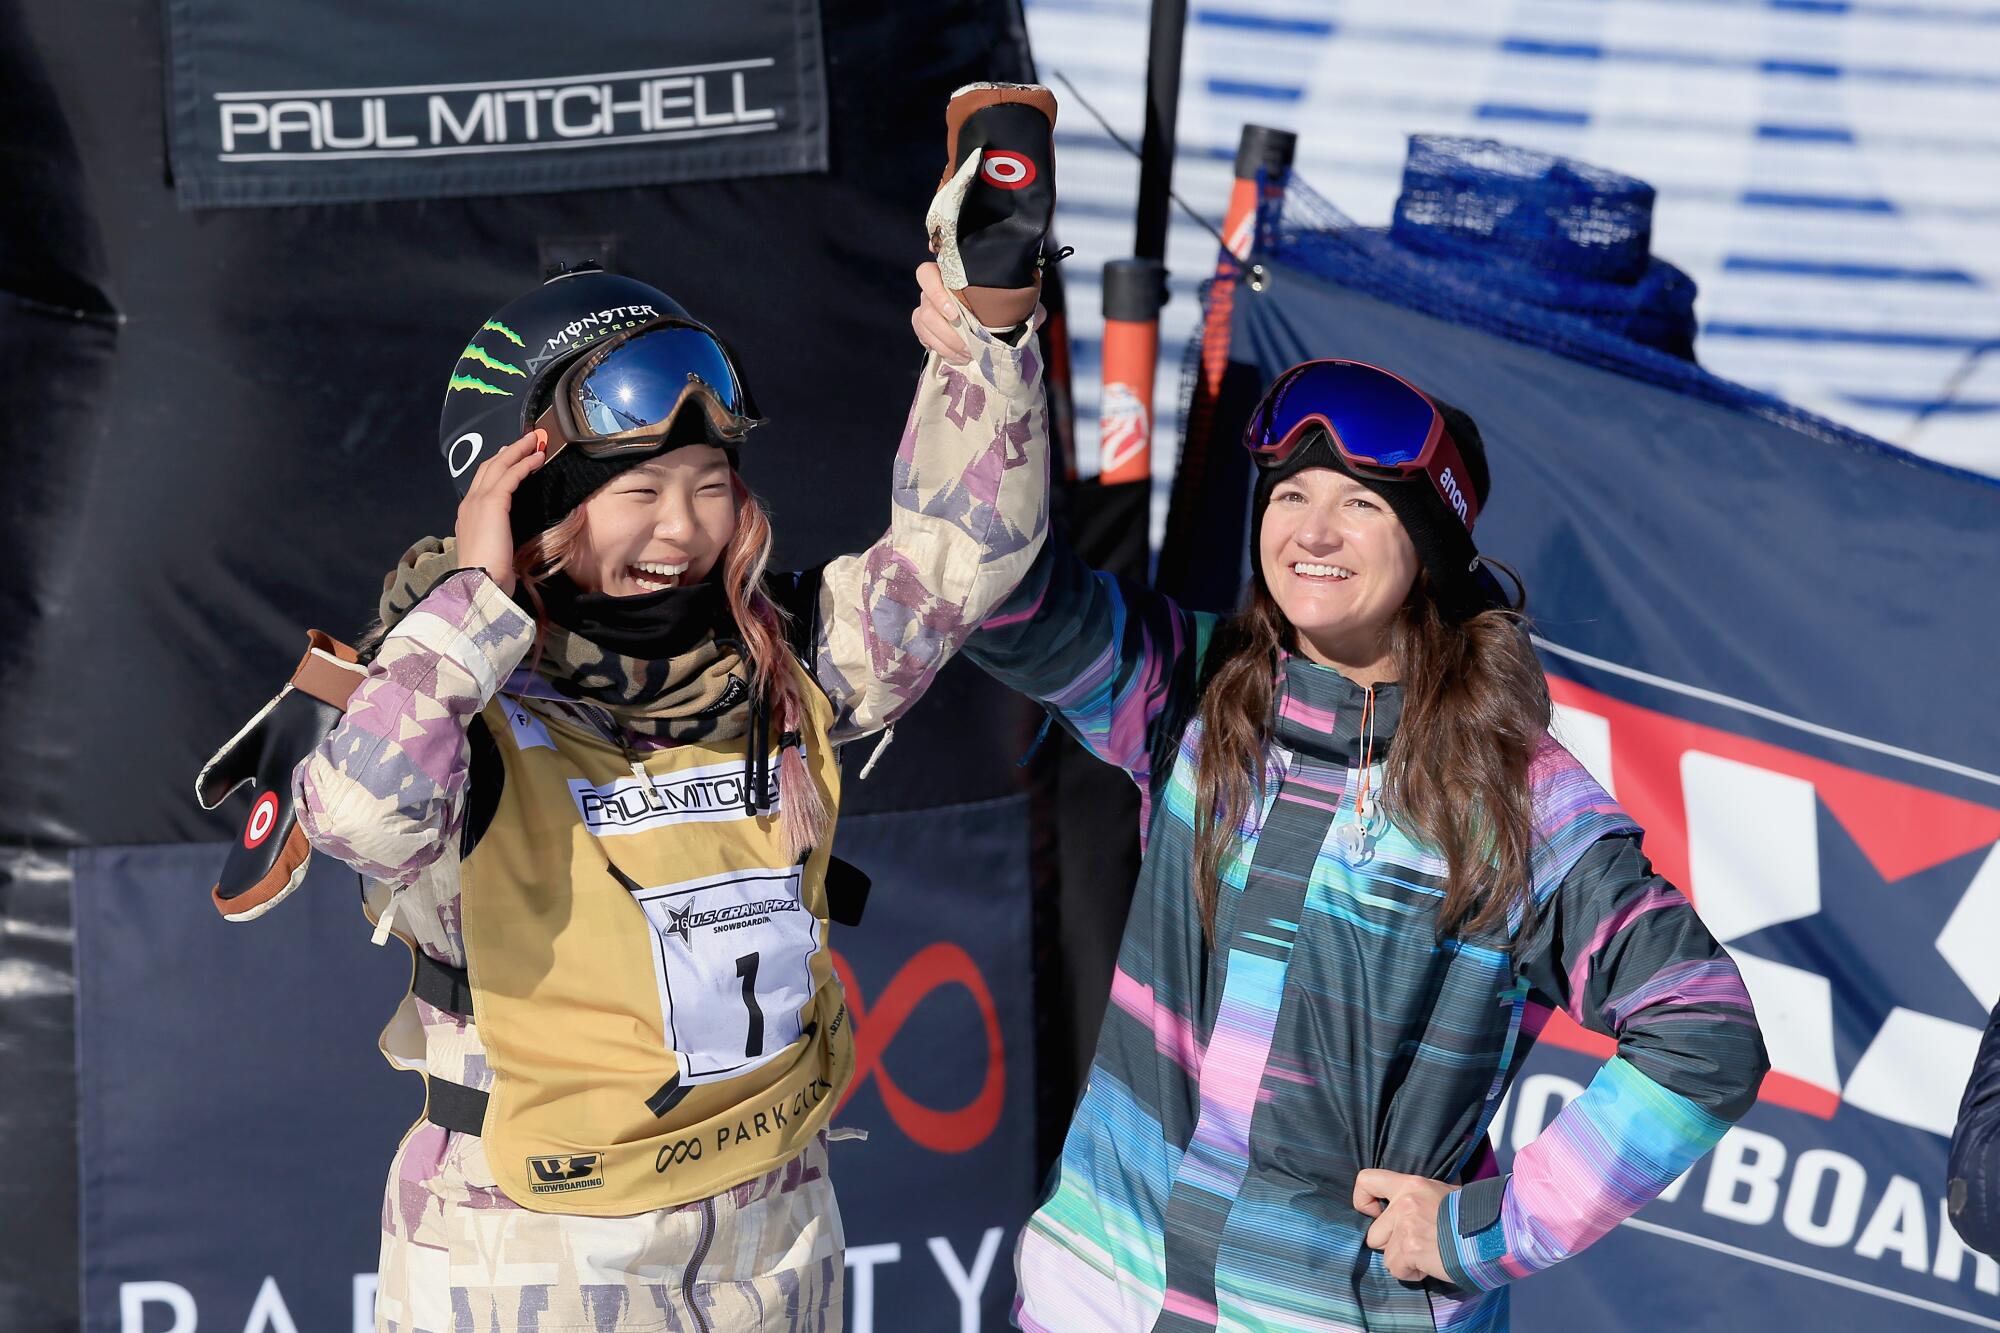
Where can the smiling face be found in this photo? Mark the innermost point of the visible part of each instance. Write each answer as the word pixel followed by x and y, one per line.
pixel 661 524
pixel 1339 565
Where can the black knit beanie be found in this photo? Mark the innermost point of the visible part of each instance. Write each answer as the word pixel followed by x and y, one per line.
pixel 573 476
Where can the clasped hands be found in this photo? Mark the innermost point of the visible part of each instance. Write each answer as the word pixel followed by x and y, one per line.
pixel 1405 1209
pixel 935 319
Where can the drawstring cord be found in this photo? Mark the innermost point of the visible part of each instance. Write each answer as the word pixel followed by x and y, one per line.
pixel 387 921
pixel 875 755
pixel 1367 755
pixel 1353 837
pixel 754 760
pixel 759 785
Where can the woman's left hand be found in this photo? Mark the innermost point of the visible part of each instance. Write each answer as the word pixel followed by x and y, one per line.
pixel 1405 1210
pixel 936 317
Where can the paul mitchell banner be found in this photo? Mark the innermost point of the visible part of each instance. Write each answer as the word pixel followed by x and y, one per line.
pixel 410 101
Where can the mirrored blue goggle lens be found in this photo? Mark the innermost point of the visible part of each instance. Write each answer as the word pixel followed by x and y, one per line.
pixel 640 382
pixel 1381 420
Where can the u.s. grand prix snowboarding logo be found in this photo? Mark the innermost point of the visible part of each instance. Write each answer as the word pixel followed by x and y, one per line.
pixel 1861 910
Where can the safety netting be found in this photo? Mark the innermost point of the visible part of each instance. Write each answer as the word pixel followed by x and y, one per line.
pixel 1535 247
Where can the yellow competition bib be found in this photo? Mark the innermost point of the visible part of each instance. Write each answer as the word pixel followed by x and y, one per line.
pixel 656 1041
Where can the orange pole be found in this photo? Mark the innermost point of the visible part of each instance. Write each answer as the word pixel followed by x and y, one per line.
pixel 1134 291
pixel 1264 151
pixel 1263 167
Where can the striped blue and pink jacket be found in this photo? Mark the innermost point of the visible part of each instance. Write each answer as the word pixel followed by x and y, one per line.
pixel 1207 1178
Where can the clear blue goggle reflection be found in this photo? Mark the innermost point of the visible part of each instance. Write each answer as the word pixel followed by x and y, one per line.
pixel 641 383
pixel 1379 419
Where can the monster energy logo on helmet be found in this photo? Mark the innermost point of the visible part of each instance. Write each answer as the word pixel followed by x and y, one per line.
pixel 477 353
pixel 511 359
pixel 597 323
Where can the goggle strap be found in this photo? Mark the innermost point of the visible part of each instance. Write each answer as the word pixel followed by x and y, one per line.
pixel 1441 463
pixel 1445 467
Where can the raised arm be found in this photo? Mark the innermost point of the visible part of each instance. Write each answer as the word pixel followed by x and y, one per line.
pixel 1622 952
pixel 1114 661
pixel 968 512
pixel 385 791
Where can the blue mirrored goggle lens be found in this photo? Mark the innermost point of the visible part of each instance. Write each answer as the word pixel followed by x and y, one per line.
pixel 640 382
pixel 1380 420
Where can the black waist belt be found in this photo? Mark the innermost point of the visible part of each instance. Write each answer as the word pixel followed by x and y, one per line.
pixel 441 985
pixel 451 1106
pixel 847 888
pixel 455 1107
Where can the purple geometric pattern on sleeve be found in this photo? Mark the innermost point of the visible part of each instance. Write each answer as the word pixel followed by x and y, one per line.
pixel 968 512
pixel 385 790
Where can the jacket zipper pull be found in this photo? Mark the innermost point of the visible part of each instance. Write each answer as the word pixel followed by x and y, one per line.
pixel 657 802
pixel 387 920
pixel 875 755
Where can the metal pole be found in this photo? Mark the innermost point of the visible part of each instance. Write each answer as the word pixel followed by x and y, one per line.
pixel 1156 151
pixel 1263 168
pixel 1211 483
pixel 1135 289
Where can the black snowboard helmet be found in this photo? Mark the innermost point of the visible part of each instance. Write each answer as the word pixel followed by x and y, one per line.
pixel 511 364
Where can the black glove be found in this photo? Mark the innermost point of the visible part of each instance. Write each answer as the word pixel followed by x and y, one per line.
pixel 269 860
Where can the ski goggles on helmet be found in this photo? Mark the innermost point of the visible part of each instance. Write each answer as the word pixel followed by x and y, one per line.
pixel 627 396
pixel 1378 422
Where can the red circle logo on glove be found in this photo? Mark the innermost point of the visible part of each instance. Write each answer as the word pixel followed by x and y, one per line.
pixel 263 818
pixel 1009 171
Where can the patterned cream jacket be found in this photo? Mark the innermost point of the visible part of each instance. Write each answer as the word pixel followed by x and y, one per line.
pixel 386 793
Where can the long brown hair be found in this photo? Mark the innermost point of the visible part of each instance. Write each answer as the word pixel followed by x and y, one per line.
pixel 1475 707
pixel 803 816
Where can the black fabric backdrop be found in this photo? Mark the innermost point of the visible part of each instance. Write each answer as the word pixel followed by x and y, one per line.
pixel 247 444
pixel 1087 848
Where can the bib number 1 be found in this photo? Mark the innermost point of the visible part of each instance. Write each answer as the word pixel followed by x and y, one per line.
pixel 753 1045
pixel 732 955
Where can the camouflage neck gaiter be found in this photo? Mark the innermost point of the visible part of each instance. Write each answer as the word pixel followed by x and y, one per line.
pixel 700 694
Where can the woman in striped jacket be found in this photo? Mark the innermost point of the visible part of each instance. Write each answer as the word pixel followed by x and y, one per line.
pixel 1370 877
